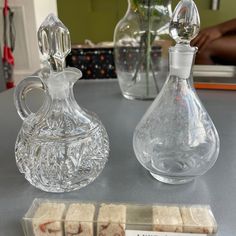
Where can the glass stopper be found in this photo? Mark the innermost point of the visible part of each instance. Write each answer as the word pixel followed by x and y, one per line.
pixel 54 42
pixel 185 22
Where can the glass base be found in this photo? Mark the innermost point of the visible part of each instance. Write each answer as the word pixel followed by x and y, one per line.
pixel 131 97
pixel 139 90
pixel 170 180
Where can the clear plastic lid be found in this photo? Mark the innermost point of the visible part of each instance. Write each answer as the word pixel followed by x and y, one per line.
pixel 68 217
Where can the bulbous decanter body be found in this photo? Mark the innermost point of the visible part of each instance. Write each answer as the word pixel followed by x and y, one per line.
pixel 62 147
pixel 176 139
pixel 141 43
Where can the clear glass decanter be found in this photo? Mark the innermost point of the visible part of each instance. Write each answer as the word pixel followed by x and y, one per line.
pixel 61 147
pixel 176 139
pixel 141 42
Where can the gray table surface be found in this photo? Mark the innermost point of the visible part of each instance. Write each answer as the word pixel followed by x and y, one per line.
pixel 124 179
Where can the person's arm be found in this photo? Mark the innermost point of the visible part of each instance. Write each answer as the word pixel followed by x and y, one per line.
pixel 207 35
pixel 227 27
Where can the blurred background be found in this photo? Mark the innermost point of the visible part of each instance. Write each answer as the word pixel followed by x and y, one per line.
pixel 86 19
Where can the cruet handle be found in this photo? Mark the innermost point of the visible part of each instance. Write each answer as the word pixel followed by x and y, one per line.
pixel 21 90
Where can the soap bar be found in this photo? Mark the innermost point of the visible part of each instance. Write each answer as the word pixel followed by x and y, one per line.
pixel 79 220
pixel 111 220
pixel 197 220
pixel 47 219
pixel 167 219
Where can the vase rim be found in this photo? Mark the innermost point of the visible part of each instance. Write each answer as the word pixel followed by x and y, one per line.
pixel 152 2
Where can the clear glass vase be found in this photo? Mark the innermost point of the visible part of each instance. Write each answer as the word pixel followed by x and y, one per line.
pixel 141 42
pixel 176 140
pixel 61 147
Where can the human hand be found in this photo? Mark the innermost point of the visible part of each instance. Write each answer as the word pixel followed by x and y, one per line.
pixel 205 37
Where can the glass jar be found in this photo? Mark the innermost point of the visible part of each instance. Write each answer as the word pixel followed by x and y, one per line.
pixel 176 139
pixel 62 147
pixel 141 42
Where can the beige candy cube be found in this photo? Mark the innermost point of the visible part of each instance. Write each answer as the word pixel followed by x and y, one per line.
pixel 167 219
pixel 79 220
pixel 111 220
pixel 47 220
pixel 197 220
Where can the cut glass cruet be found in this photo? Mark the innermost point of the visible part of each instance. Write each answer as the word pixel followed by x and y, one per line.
pixel 176 139
pixel 61 147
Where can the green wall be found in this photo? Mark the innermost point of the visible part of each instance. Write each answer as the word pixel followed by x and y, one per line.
pixel 96 19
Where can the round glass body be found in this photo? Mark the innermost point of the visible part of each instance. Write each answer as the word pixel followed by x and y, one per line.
pixel 176 139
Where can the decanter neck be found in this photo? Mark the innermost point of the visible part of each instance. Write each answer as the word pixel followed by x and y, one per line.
pixel 59 89
pixel 60 84
pixel 181 59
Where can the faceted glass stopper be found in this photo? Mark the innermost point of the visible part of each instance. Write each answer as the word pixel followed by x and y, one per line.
pixel 54 42
pixel 185 22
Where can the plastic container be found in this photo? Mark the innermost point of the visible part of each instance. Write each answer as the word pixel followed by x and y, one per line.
pixel 68 217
